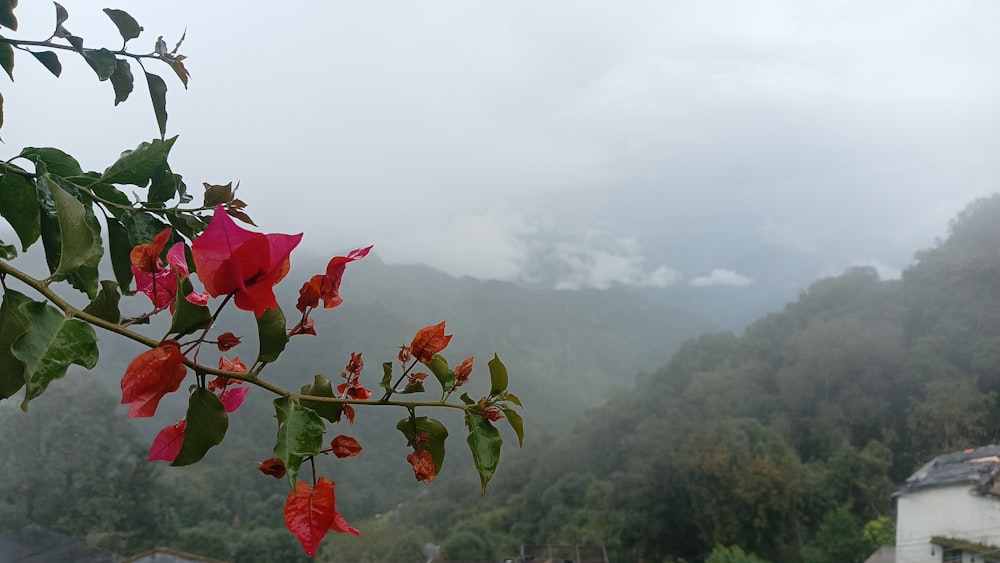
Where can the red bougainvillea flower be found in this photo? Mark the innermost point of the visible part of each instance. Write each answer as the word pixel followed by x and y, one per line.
pixel 423 465
pixel 462 372
pixel 221 382
pixel 167 443
pixel 155 280
pixel 326 287
pixel 234 261
pixel 311 512
pixel 273 467
pixel 352 373
pixel 492 412
pixel 404 356
pixel 356 364
pixel 348 411
pixel 345 446
pixel 145 258
pixel 429 341
pixel 231 399
pixel 150 376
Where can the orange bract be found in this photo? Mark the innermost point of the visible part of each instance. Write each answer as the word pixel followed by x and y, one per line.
pixel 311 512
pixel 150 376
pixel 463 371
pixel 423 465
pixel 429 341
pixel 146 257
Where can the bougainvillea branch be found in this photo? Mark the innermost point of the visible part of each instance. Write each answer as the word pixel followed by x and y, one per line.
pixel 189 261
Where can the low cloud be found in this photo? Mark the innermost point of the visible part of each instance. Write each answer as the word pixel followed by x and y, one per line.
pixel 885 271
pixel 721 278
pixel 593 260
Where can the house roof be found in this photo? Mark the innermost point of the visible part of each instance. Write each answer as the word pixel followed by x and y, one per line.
pixel 34 544
pixel 976 466
pixel 884 554
pixel 167 555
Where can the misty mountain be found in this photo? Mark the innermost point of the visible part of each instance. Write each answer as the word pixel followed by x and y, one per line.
pixel 777 276
pixel 566 349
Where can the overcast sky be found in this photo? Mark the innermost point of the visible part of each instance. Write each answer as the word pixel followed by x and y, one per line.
pixel 579 144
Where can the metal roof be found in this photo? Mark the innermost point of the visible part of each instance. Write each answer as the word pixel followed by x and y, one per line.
pixel 976 466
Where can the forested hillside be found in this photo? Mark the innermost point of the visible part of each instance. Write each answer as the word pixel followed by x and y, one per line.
pixel 788 440
pixel 565 352
pixel 785 442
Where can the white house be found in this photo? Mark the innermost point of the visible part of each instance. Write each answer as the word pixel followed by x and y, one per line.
pixel 949 510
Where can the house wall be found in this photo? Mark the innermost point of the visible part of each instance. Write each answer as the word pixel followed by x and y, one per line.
pixel 953 512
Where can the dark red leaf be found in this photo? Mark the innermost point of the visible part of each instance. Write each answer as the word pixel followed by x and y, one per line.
pixel 345 446
pixel 227 341
pixel 273 467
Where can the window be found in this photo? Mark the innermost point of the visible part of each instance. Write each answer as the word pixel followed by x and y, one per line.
pixel 951 556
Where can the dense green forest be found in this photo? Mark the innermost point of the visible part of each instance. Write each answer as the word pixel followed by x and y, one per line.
pixel 785 442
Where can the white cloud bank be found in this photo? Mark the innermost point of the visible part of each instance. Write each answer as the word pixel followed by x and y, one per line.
pixel 721 278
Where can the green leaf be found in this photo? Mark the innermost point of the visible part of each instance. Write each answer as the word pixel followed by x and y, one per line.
pixel 102 61
pixel 187 224
pixel 138 166
pixel 206 426
pixel 484 440
pixel 164 185
pixel 127 26
pixel 50 60
pixel 53 343
pixel 188 317
pixel 61 16
pixel 467 399
pixel 19 206
pixel 158 95
pixel 321 387
pixel 105 305
pixel 13 325
pixel 300 434
pixel 86 277
pixel 417 387
pixel 120 249
pixel 122 80
pixel 436 433
pixel 272 334
pixel 112 194
pixel 80 236
pixel 386 382
pixel 142 227
pixel 512 398
pixel 56 161
pixel 7 18
pixel 7 59
pixel 445 376
pixel 498 376
pixel 79 240
pixel 7 251
pixel 516 422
